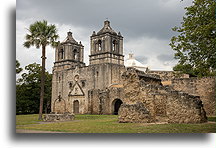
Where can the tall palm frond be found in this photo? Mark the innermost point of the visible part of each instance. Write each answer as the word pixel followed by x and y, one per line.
pixel 41 34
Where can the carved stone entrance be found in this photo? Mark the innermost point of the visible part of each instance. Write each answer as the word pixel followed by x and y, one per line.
pixel 76 107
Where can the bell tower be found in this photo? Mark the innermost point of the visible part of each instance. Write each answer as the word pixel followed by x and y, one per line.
pixel 106 46
pixel 69 53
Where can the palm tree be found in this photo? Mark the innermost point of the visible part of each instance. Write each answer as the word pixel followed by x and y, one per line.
pixel 40 35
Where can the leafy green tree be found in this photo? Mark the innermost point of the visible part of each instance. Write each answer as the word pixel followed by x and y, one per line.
pixel 28 90
pixel 195 45
pixel 18 68
pixel 41 35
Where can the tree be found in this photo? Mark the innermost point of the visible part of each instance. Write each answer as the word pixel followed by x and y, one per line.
pixel 18 68
pixel 195 45
pixel 41 35
pixel 28 90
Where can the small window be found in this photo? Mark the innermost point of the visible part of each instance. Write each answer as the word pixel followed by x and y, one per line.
pixel 70 85
pixel 114 45
pixel 99 45
pixel 83 83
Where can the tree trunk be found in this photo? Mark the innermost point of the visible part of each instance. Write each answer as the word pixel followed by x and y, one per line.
pixel 42 82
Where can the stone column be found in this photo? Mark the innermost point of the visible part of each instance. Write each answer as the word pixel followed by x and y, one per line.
pixel 121 46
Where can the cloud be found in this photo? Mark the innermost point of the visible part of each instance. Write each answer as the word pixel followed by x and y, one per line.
pixel 152 50
pixel 165 57
pixel 145 25
pixel 142 59
pixel 135 18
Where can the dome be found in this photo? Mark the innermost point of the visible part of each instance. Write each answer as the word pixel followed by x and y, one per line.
pixel 132 62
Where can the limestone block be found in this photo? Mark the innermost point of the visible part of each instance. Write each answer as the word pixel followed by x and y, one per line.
pixel 58 117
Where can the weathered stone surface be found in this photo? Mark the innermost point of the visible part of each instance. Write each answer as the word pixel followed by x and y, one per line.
pixel 203 87
pixel 134 113
pixel 162 103
pixel 168 75
pixel 185 109
pixel 58 117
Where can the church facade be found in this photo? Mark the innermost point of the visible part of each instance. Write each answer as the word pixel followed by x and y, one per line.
pixel 82 88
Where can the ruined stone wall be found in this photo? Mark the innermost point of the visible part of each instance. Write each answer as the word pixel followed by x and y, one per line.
pixel 168 105
pixel 58 117
pixel 138 102
pixel 102 101
pixel 203 87
pixel 93 101
pixel 157 103
pixel 184 108
pixel 134 113
pixel 168 75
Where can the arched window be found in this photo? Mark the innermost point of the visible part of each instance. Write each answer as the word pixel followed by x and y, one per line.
pixel 114 45
pixel 75 54
pixel 99 45
pixel 61 54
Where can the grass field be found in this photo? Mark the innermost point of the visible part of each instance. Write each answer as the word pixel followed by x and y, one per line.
pixel 109 124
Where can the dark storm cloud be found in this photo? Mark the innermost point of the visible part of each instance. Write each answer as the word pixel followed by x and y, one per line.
pixel 145 25
pixel 133 18
pixel 165 57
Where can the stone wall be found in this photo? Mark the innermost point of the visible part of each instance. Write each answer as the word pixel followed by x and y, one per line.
pixel 184 108
pixel 168 75
pixel 157 103
pixel 134 113
pixel 58 117
pixel 59 106
pixel 102 101
pixel 203 87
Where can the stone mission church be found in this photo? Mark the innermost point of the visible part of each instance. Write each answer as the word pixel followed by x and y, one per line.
pixel 107 86
pixel 81 88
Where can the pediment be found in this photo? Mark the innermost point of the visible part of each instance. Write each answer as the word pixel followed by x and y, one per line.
pixel 76 90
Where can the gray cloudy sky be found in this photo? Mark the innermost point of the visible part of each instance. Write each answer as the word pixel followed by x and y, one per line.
pixel 145 25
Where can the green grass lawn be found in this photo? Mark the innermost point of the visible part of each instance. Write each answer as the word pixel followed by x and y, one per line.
pixel 27 119
pixel 109 124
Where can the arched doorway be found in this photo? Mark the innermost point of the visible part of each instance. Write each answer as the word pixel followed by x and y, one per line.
pixel 76 107
pixel 116 105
